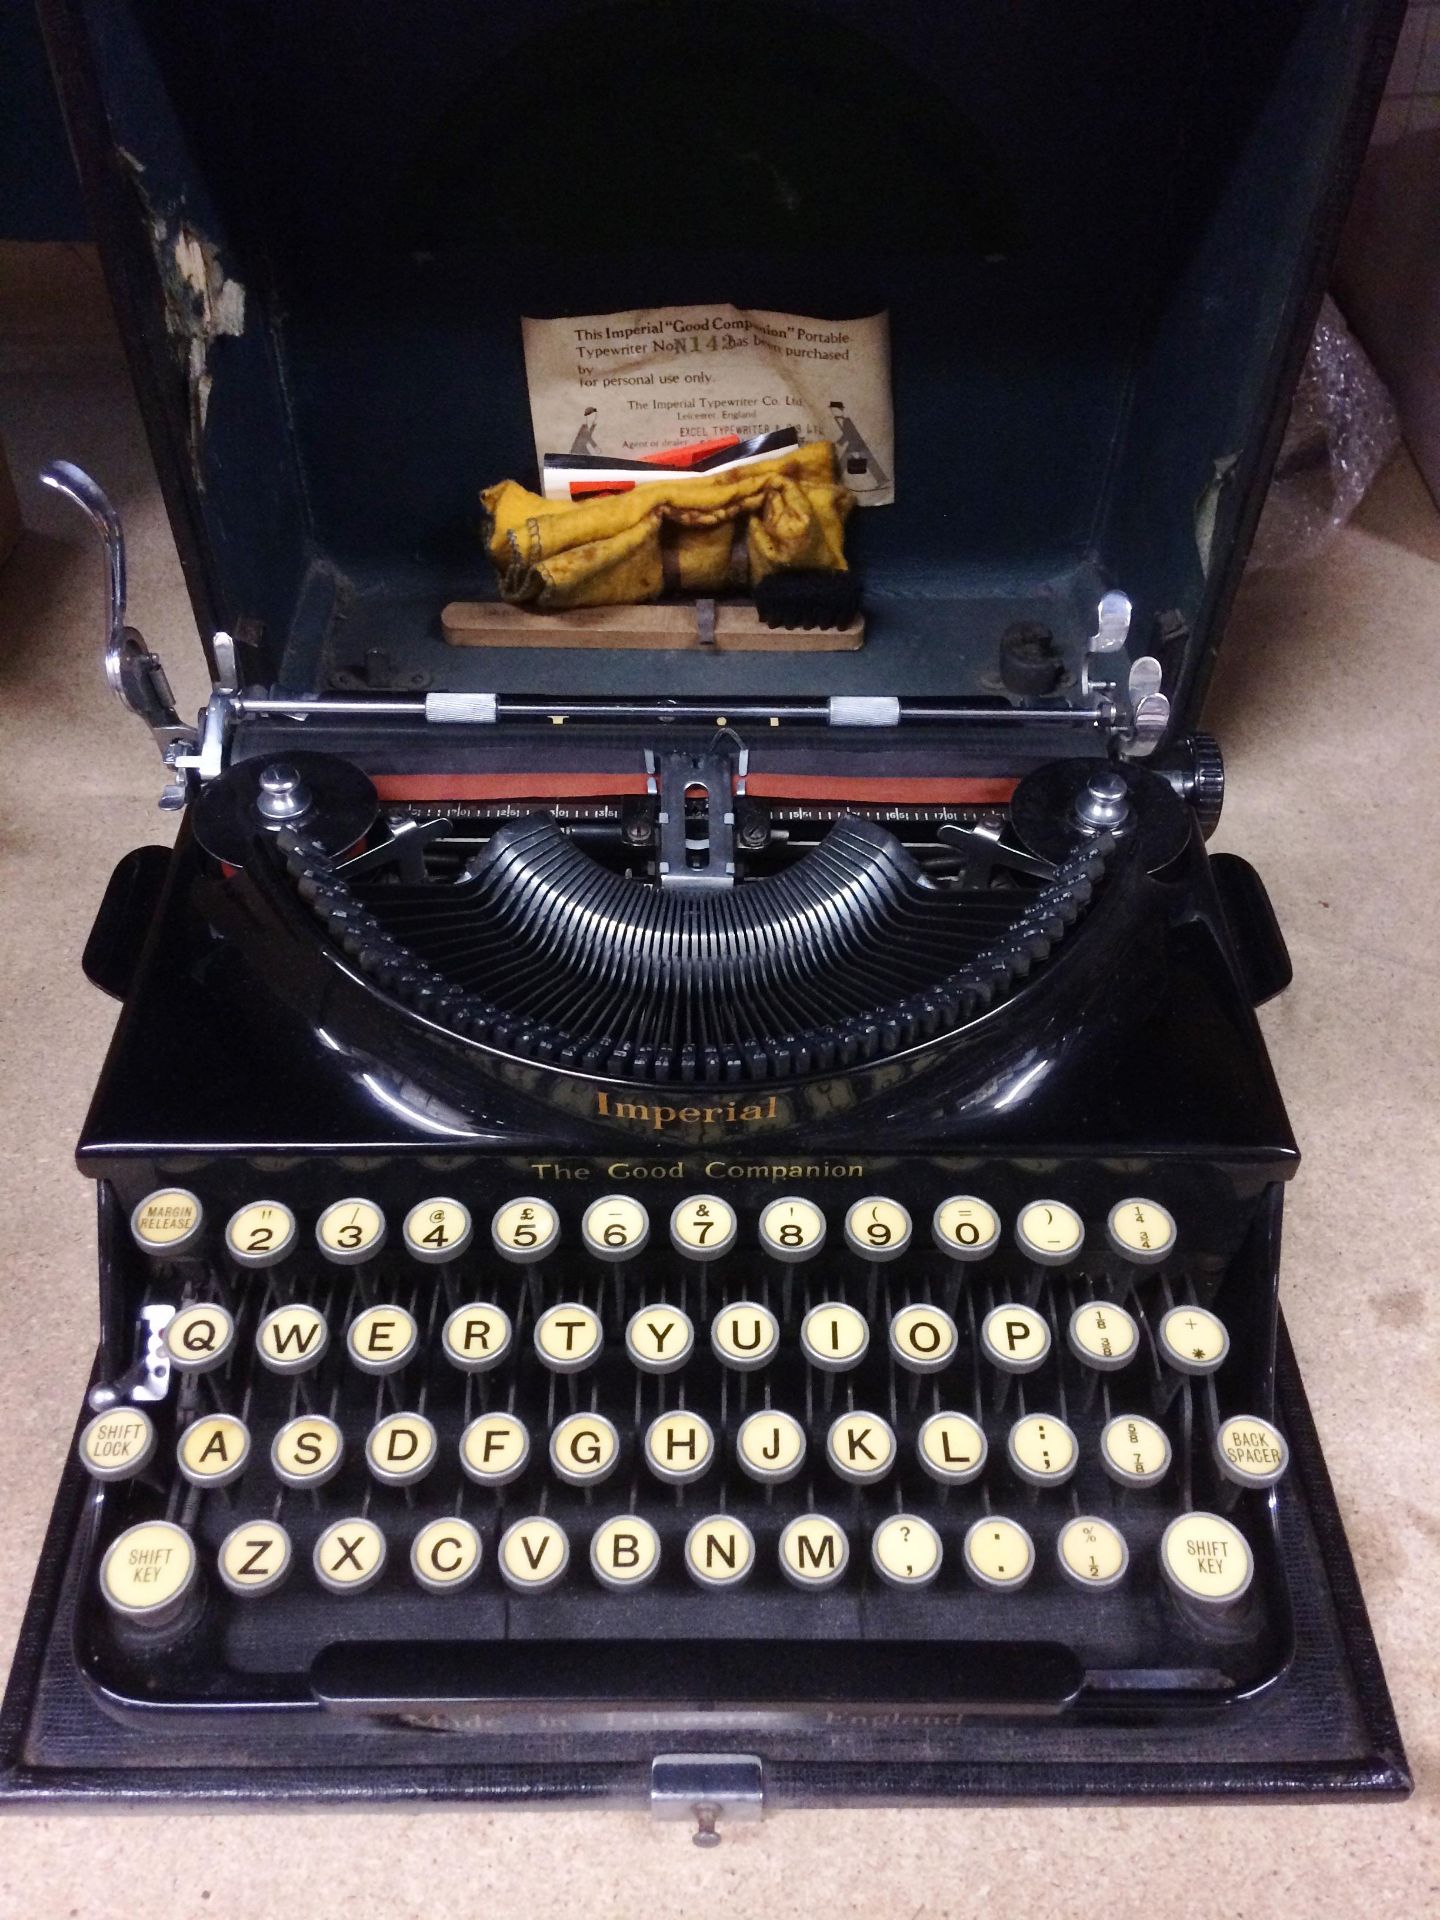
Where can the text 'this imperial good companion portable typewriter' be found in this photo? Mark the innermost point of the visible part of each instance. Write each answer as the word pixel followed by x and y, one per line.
pixel 699 1229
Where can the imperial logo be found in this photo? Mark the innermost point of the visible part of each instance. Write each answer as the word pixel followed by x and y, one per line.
pixel 650 1114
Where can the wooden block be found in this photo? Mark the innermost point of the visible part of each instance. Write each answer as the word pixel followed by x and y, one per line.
pixel 668 625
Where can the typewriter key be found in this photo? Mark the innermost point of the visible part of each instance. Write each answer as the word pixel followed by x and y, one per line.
pixel 400 1449
pixel 569 1337
pixel 679 1447
pixel 445 1556
pixel 1050 1232
pixel 834 1337
pixel 952 1448
pixel 905 1551
pixel 1204 1558
pixel 477 1337
pixel 965 1228
pixel 1250 1451
pixel 625 1553
pixel 437 1230
pixel 999 1554
pixel 148 1571
pixel 117 1444
pixel 199 1338
pixel 584 1449
pixel 1092 1553
pixel 213 1451
pixel 261 1234
pixel 525 1230
pixel 1135 1451
pixel 1042 1450
pixel 877 1229
pixel 350 1555
pixel 814 1552
pixel 792 1229
pixel 659 1339
pixel 719 1551
pixel 1140 1231
pixel 703 1227
pixel 860 1447
pixel 307 1452
pixel 1103 1336
pixel 494 1449
pixel 292 1339
pixel 615 1227
pixel 533 1554
pixel 351 1232
pixel 382 1339
pixel 1015 1338
pixel 255 1557
pixel 1193 1340
pixel 923 1339
pixel 167 1222
pixel 745 1335
pixel 770 1446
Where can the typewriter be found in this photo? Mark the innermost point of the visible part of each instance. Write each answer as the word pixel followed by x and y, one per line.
pixel 714 1248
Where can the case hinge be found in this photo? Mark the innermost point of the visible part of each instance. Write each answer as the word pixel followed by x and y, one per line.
pixel 707 1788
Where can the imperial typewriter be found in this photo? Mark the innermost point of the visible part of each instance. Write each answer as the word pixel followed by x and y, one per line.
pixel 699 1229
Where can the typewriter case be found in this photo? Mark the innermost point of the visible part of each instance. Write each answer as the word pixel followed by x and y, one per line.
pixel 1101 234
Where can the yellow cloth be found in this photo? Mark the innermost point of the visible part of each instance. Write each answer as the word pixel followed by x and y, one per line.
pixel 622 548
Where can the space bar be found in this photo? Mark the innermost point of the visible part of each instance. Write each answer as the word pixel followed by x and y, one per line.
pixel 982 1676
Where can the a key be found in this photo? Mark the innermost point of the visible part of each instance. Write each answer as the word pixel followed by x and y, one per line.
pixel 525 1230
pixel 659 1339
pixel 350 1555
pixel 1092 1553
pixel 255 1557
pixel 533 1554
pixel 260 1234
pixel 1049 1232
pixel 704 1227
pixel 1042 1450
pixel 350 1232
pixel 860 1447
pixel 814 1552
pixel 965 1228
pixel 952 1448
pixel 625 1553
pixel 923 1339
pixel 834 1337
pixel 494 1449
pixel 117 1444
pixel 382 1339
pixel 792 1229
pixel 307 1452
pixel 1141 1231
pixel 292 1339
pixel 615 1227
pixel 584 1449
pixel 679 1447
pixel 877 1228
pixel 477 1337
pixel 770 1447
pixel 1015 1338
pixel 149 1572
pixel 213 1450
pixel 719 1551
pixel 437 1230
pixel 1251 1451
pixel 1193 1340
pixel 999 1554
pixel 1135 1451
pixel 199 1338
pixel 569 1337
pixel 1205 1558
pixel 905 1551
pixel 445 1555
pixel 401 1449
pixel 745 1336
pixel 167 1222
pixel 1103 1336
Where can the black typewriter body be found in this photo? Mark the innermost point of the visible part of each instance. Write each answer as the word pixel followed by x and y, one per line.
pixel 467 1017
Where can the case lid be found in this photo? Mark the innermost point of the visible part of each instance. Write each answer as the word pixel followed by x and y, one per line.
pixel 1100 232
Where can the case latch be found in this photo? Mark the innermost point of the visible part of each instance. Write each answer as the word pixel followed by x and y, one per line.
pixel 707 1788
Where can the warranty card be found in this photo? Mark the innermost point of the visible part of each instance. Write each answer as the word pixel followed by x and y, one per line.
pixel 625 385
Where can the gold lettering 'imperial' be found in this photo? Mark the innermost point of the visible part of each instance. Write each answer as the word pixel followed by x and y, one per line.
pixel 657 1117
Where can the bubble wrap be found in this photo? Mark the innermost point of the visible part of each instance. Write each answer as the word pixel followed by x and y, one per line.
pixel 1343 427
